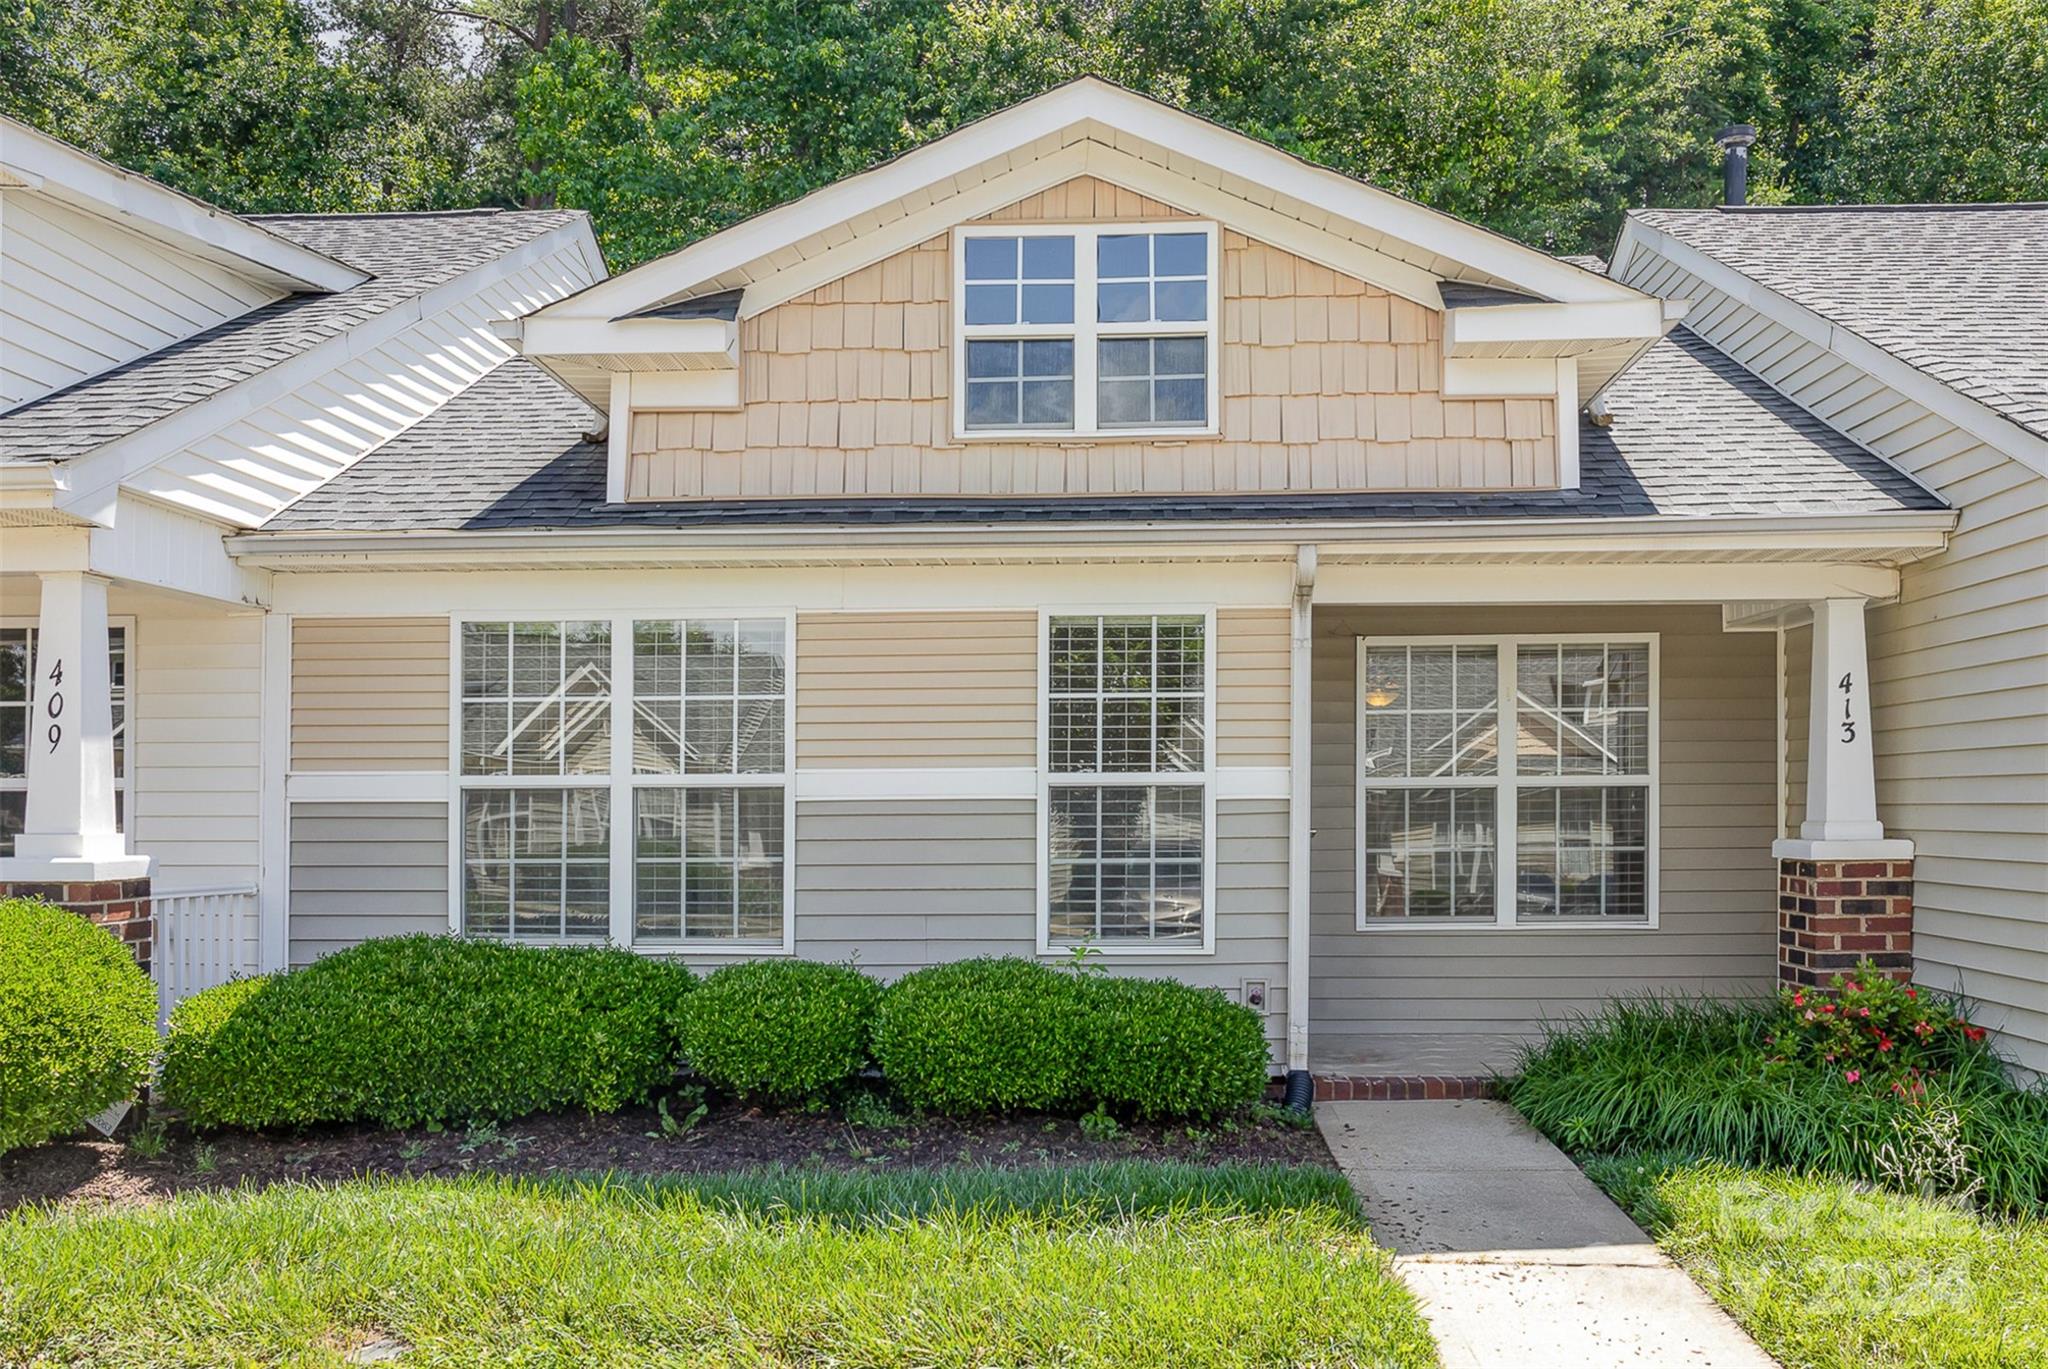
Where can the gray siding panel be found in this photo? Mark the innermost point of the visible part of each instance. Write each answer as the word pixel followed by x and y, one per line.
pixel 894 886
pixel 362 870
pixel 1717 930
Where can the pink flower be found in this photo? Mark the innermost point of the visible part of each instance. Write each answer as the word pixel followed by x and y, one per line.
pixel 1798 1000
pixel 1912 993
pixel 1863 1012
pixel 1974 1033
pixel 1854 987
pixel 1884 1043
pixel 1827 1007
pixel 1852 1075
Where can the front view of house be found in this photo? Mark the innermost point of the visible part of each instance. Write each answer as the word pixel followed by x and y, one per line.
pixel 1092 533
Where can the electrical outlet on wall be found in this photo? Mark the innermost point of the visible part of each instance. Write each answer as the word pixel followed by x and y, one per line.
pixel 1252 993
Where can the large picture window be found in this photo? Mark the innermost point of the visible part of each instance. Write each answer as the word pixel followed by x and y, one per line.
pixel 1085 329
pixel 1530 756
pixel 1126 795
pixel 627 780
pixel 17 707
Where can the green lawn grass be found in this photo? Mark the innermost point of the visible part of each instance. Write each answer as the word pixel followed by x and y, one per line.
pixel 1826 1272
pixel 1126 1264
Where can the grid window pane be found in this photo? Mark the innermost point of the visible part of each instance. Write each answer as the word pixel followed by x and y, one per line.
pixel 1585 708
pixel 1006 285
pixel 536 863
pixel 1020 383
pixel 1152 277
pixel 1582 853
pixel 536 698
pixel 1127 695
pixel 1145 382
pixel 1430 712
pixel 1125 863
pixel 709 696
pixel 1430 853
pixel 708 864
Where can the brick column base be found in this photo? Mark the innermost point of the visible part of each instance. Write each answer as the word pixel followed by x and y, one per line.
pixel 122 906
pixel 1834 913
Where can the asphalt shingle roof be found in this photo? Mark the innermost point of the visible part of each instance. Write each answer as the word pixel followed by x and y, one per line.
pixel 1693 434
pixel 404 255
pixel 1957 291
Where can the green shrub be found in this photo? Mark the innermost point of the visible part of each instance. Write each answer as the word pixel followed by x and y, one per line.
pixel 77 1022
pixel 413 1029
pixel 1711 1081
pixel 780 1030
pixel 985 1035
pixel 1161 1048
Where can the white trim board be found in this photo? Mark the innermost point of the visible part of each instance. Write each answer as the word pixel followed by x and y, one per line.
pixel 1008 783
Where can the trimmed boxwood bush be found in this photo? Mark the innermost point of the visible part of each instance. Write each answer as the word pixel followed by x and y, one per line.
pixel 985 1035
pixel 414 1029
pixel 780 1030
pixel 1162 1048
pixel 77 1022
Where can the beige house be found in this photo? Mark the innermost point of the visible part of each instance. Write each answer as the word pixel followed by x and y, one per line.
pixel 1094 532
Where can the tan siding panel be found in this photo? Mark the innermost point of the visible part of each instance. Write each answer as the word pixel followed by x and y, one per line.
pixel 1251 686
pixel 370 694
pixel 1326 384
pixel 363 870
pixel 879 690
pixel 1717 915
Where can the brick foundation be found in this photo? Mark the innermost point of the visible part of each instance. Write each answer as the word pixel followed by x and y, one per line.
pixel 122 906
pixel 1384 1088
pixel 1833 913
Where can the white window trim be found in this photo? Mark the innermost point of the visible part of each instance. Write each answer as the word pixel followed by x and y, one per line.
pixel 622 783
pixel 1205 777
pixel 125 784
pixel 1085 330
pixel 1503 783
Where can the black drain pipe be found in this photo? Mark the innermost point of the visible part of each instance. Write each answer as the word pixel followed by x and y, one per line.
pixel 1301 1092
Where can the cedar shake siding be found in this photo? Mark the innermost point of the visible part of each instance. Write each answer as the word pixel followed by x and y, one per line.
pixel 1328 384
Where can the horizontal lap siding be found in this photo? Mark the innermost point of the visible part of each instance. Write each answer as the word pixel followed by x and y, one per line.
pixel 895 886
pixel 1959 675
pixel 1252 698
pixel 888 690
pixel 1717 920
pixel 370 694
pixel 1326 383
pixel 361 870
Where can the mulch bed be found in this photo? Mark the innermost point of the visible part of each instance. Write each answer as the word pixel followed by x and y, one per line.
pixel 729 1137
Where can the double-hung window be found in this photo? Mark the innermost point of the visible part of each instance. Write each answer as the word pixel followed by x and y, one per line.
pixel 626 779
pixel 1126 799
pixel 1533 756
pixel 1093 330
pixel 18 712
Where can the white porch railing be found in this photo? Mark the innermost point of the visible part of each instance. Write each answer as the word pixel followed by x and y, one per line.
pixel 204 937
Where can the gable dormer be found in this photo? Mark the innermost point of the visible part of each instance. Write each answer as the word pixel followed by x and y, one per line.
pixel 1093 294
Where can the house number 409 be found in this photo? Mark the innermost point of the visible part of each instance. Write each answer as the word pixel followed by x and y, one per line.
pixel 55 707
pixel 1847 684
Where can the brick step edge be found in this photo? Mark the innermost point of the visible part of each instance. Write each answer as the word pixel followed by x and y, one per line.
pixel 1389 1088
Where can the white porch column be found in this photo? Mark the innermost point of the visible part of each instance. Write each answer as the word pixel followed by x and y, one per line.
pixel 69 829
pixel 1841 778
pixel 1301 660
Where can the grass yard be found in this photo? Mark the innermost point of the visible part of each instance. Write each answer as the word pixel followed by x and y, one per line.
pixel 1827 1273
pixel 1122 1263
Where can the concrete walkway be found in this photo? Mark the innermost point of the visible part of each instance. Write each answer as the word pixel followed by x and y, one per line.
pixel 1518 1258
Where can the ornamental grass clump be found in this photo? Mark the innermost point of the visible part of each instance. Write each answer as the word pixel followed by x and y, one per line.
pixel 783 1031
pixel 77 1022
pixel 406 1030
pixel 1752 1084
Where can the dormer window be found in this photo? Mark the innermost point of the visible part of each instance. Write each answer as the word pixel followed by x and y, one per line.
pixel 1090 330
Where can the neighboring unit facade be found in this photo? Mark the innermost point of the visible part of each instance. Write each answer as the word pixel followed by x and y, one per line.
pixel 1094 533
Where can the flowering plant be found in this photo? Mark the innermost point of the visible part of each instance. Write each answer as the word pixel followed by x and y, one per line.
pixel 1870 1029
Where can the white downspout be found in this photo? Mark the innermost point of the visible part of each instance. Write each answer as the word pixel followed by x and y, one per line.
pixel 1299 728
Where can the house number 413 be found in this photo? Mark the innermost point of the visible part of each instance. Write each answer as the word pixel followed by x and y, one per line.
pixel 1847 684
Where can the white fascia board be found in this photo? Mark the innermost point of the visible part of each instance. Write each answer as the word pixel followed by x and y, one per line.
pixel 1641 318
pixel 75 177
pixel 1885 538
pixel 98 474
pixel 545 336
pixel 1072 106
pixel 1937 396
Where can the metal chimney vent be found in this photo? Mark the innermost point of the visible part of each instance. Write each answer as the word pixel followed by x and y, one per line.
pixel 1734 141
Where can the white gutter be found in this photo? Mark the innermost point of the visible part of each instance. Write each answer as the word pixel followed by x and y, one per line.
pixel 1300 676
pixel 1915 533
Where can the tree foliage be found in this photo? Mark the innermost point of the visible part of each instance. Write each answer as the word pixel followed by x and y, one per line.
pixel 668 119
